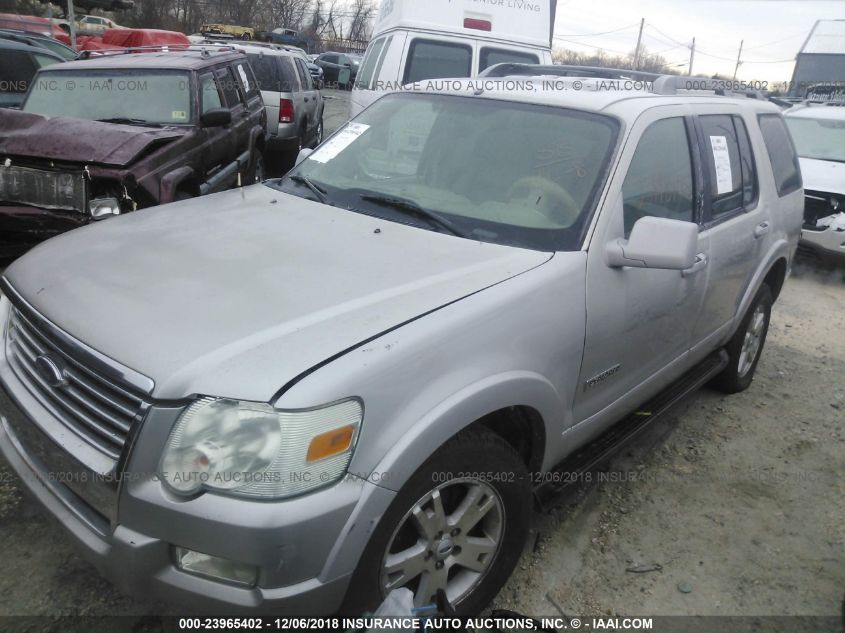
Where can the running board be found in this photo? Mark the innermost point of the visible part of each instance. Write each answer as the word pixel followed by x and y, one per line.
pixel 593 454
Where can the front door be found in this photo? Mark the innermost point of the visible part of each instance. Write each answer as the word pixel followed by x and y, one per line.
pixel 639 321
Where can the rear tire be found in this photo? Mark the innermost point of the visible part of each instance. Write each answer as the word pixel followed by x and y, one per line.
pixel 459 522
pixel 746 346
pixel 318 135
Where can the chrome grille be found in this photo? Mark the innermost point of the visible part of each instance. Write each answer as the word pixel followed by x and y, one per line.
pixel 97 409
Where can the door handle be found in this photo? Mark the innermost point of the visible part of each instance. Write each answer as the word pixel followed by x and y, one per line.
pixel 762 229
pixel 699 265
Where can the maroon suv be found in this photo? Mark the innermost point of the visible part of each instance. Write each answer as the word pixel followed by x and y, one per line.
pixel 123 131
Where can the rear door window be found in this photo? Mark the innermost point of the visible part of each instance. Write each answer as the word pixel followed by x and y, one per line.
pixel 781 152
pixel 493 56
pixel 723 163
pixel 229 86
pixel 304 74
pixel 659 182
pixel 248 84
pixel 429 59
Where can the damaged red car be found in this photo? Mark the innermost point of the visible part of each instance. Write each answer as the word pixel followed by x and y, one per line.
pixel 120 132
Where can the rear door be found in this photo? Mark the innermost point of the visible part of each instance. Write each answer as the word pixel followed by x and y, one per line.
pixel 307 98
pixel 736 223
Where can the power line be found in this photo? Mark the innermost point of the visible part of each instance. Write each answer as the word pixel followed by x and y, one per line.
pixel 624 28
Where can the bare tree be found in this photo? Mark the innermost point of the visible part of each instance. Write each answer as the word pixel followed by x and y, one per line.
pixel 362 14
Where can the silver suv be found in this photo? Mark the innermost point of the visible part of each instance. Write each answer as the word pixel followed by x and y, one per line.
pixel 301 395
pixel 294 103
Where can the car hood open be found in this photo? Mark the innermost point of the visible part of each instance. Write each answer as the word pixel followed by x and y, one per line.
pixel 238 293
pixel 823 175
pixel 77 140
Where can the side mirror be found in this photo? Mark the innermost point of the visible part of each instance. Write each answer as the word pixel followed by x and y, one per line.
pixel 657 243
pixel 304 153
pixel 217 117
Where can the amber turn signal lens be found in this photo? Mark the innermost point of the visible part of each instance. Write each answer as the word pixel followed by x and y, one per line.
pixel 331 443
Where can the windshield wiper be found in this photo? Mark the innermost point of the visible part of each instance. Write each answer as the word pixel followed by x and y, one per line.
pixel 120 119
pixel 317 190
pixel 412 208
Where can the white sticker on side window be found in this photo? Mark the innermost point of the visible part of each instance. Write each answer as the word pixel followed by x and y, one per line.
pixel 722 161
pixel 343 139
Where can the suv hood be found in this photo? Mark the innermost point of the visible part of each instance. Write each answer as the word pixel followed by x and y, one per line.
pixel 77 140
pixel 823 175
pixel 236 294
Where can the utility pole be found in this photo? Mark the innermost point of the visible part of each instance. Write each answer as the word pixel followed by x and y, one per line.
pixel 738 57
pixel 639 43
pixel 691 57
pixel 71 18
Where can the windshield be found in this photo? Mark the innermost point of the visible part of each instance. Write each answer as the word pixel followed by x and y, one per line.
pixel 822 139
pixel 496 171
pixel 153 97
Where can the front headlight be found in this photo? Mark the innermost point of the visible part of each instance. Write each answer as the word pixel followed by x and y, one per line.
pixel 255 450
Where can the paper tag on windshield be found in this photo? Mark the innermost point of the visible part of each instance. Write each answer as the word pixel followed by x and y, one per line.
pixel 722 161
pixel 339 142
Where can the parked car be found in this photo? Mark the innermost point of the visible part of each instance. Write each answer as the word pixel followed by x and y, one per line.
pixel 339 69
pixel 30 24
pixel 90 5
pixel 95 25
pixel 417 41
pixel 294 104
pixel 285 37
pixel 305 394
pixel 133 38
pixel 19 62
pixel 819 133
pixel 119 132
pixel 41 41
pixel 240 32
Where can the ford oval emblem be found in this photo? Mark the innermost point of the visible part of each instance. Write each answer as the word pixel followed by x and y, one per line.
pixel 50 371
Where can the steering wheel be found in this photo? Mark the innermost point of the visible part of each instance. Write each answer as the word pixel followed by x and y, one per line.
pixel 547 198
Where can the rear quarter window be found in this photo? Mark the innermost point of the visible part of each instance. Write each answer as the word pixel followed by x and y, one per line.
pixel 782 154
pixel 429 59
pixel 493 56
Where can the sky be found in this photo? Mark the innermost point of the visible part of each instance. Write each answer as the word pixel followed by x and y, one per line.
pixel 773 31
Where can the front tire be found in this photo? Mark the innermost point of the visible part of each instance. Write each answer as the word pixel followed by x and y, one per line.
pixel 458 524
pixel 746 346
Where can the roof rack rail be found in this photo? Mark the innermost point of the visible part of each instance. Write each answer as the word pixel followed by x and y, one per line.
pixel 660 84
pixel 204 49
pixel 561 70
pixel 673 84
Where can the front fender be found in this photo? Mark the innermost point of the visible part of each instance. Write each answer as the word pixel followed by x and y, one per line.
pixel 170 183
pixel 494 393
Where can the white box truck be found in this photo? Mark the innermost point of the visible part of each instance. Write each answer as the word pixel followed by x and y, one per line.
pixel 419 40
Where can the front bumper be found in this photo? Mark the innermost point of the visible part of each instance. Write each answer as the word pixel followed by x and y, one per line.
pixel 304 548
pixel 22 227
pixel 828 242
